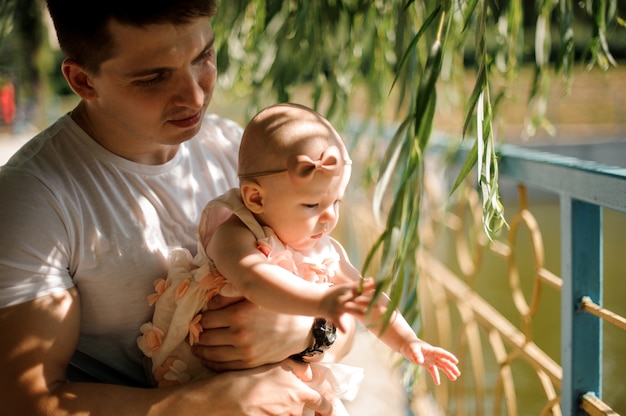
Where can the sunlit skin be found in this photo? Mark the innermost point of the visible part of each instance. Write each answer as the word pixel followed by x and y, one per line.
pixel 300 216
pixel 302 210
pixel 152 94
pixel 145 101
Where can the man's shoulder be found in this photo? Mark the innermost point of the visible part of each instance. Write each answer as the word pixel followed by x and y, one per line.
pixel 44 145
pixel 47 160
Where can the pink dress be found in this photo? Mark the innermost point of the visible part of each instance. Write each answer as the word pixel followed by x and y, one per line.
pixel 192 281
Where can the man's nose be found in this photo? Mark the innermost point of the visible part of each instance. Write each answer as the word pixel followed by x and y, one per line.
pixel 190 91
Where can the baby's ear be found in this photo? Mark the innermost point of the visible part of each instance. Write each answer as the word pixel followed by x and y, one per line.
pixel 252 194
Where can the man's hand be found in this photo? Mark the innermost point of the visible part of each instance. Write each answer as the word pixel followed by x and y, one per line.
pixel 238 334
pixel 276 389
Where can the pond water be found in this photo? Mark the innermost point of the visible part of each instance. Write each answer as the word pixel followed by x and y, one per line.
pixel 493 284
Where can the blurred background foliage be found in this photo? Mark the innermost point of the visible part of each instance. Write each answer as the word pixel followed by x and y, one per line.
pixel 387 61
pixel 373 64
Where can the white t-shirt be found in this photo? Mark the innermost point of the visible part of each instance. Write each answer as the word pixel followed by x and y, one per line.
pixel 75 214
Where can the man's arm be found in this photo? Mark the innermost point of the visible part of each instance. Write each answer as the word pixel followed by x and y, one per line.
pixel 39 337
pixel 239 334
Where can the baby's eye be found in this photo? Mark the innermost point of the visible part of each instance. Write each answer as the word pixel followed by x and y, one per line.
pixel 311 205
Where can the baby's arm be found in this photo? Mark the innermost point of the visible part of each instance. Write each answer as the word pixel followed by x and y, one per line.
pixel 233 248
pixel 398 334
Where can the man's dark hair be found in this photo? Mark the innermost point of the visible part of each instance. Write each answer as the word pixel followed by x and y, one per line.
pixel 81 26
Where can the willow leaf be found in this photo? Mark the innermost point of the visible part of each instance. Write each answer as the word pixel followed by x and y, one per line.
pixel 369 258
pixel 389 248
pixel 388 269
pixel 602 53
pixel 467 17
pixel 469 163
pixel 426 124
pixel 566 51
pixel 387 168
pixel 427 83
pixel 411 47
pixel 473 100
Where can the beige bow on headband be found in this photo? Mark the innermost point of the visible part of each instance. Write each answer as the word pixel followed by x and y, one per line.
pixel 301 168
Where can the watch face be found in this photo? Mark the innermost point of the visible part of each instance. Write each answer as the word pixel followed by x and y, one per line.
pixel 330 334
pixel 324 333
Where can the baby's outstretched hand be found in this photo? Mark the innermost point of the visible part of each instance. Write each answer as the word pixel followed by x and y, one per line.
pixel 433 359
pixel 353 298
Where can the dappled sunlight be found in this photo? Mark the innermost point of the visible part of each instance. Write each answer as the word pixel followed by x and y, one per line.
pixel 47 315
pixel 152 232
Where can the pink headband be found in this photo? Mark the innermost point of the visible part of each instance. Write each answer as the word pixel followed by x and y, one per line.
pixel 302 168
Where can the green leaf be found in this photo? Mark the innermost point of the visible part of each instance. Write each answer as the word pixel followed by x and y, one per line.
pixel 412 45
pixel 479 86
pixel 467 167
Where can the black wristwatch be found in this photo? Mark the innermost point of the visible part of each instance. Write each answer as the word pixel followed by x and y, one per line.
pixel 324 335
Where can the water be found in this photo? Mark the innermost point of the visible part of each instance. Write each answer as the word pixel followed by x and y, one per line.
pixel 492 283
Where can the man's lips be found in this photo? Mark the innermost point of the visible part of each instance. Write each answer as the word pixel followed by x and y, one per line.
pixel 189 121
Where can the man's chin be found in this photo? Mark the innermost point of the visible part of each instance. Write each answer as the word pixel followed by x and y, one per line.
pixel 186 134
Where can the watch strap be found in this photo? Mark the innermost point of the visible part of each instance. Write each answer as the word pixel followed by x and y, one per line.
pixel 324 335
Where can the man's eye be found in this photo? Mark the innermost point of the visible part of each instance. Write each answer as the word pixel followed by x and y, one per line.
pixel 205 57
pixel 149 82
pixel 207 54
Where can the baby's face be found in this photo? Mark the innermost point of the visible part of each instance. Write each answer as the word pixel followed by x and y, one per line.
pixel 301 214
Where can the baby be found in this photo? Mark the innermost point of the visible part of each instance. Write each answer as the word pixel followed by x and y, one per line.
pixel 269 241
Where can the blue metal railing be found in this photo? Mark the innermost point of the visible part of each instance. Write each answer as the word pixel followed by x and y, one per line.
pixel 583 187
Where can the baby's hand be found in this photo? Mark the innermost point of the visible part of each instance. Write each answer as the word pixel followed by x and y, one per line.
pixel 433 359
pixel 353 298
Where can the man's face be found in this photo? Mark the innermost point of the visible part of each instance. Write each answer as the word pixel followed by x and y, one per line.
pixel 156 87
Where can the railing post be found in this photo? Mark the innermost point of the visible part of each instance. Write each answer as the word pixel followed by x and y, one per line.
pixel 581 333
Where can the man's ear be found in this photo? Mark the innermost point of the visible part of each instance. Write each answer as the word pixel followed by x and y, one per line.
pixel 78 79
pixel 252 195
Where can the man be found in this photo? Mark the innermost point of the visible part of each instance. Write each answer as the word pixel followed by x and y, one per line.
pixel 92 205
